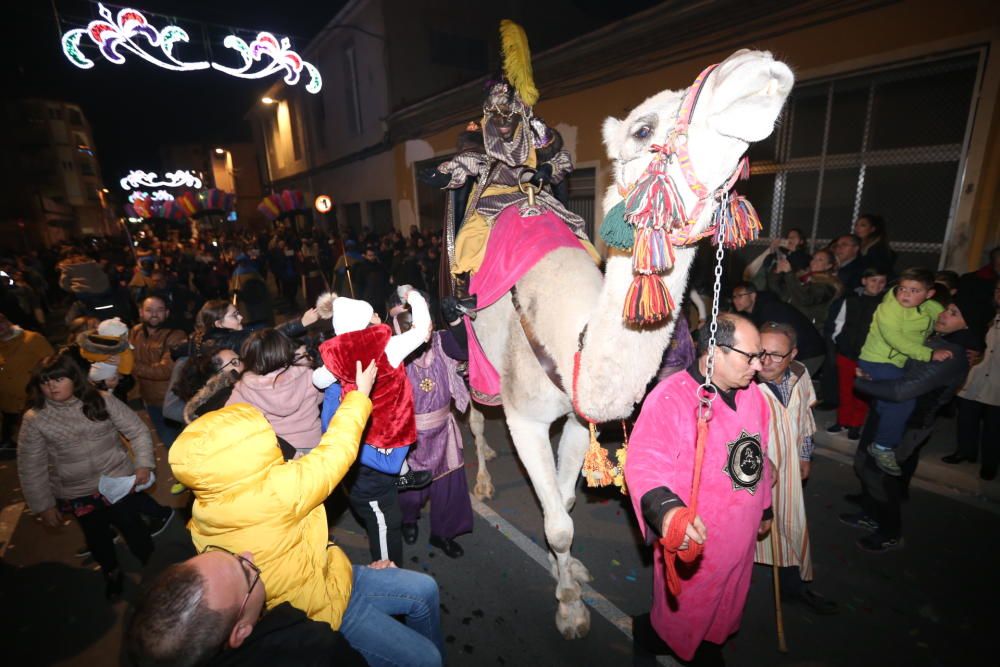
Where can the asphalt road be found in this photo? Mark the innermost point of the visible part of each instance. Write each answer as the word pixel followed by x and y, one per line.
pixel 931 603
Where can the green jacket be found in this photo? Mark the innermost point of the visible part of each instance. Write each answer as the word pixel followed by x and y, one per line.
pixel 897 333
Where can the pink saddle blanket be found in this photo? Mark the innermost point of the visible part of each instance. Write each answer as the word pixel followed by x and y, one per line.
pixel 514 247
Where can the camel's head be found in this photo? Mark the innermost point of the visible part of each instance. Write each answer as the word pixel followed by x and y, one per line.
pixel 739 104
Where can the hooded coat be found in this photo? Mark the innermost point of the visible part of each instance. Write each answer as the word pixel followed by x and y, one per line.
pixel 247 498
pixel 288 400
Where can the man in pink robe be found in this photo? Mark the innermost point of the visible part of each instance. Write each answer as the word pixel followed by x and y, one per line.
pixel 734 503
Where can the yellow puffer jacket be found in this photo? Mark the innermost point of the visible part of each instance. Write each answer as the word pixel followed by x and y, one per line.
pixel 248 499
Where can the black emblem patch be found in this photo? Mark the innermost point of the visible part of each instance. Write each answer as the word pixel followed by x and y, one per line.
pixel 745 464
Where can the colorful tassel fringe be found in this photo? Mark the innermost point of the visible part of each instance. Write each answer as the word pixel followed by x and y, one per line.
pixel 653 252
pixel 742 224
pixel 647 300
pixel 615 231
pixel 597 468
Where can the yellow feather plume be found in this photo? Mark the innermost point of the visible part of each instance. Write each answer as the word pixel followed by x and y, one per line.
pixel 517 61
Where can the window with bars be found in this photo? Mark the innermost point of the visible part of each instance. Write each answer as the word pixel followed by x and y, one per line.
pixel 889 142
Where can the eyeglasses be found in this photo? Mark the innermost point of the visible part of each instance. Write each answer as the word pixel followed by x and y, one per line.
pixel 234 362
pixel 751 356
pixel 773 357
pixel 250 571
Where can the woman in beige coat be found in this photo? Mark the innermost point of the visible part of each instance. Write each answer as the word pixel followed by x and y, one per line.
pixel 76 429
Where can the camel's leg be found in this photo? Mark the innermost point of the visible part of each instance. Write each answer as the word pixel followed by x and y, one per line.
pixel 532 441
pixel 573 446
pixel 484 482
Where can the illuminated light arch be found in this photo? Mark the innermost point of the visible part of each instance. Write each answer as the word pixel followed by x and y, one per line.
pixel 126 32
pixel 148 179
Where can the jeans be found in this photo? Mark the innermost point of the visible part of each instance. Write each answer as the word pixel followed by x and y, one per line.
pixel 975 440
pixel 369 626
pixel 164 429
pixel 892 416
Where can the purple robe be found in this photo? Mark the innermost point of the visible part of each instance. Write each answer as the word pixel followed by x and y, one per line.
pixel 735 491
pixel 436 382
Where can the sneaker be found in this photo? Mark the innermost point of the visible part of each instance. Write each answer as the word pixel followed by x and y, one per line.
pixel 177 489
pixel 876 543
pixel 885 459
pixel 836 428
pixel 859 520
pixel 158 525
pixel 413 480
pixel 854 433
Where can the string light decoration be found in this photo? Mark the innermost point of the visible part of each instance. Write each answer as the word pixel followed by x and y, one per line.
pixel 131 33
pixel 158 195
pixel 148 179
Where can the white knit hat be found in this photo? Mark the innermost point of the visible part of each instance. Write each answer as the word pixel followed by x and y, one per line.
pixel 350 315
pixel 113 327
pixel 102 370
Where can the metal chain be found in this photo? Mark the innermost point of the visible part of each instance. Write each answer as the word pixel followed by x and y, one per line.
pixel 707 391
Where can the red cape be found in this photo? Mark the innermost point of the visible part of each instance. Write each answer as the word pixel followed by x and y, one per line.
pixel 392 423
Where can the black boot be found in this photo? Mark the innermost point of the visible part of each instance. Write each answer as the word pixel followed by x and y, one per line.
pixel 410 532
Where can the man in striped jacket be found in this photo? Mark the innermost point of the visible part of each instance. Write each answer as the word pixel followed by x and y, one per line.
pixel 787 387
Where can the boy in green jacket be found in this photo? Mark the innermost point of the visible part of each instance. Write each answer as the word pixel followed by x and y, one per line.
pixel 901 324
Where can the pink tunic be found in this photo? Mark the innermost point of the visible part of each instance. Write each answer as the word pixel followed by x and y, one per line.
pixel 735 491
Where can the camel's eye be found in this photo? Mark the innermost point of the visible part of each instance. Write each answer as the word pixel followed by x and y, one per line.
pixel 643 132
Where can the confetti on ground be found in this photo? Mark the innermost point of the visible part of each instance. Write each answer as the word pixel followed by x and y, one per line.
pixel 630 577
pixel 615 562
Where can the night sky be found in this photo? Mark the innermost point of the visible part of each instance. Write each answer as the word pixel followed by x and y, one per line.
pixel 136 107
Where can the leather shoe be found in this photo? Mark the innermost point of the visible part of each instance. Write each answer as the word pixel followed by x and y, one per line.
pixel 410 531
pixel 956 458
pixel 413 480
pixel 451 548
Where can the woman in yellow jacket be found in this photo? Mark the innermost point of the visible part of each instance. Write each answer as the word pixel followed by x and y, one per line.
pixel 248 498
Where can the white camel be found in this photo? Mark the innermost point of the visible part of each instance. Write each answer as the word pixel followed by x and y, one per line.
pixel 565 292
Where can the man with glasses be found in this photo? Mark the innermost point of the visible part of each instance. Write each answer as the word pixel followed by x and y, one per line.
pixel 734 498
pixel 209 610
pixel 788 389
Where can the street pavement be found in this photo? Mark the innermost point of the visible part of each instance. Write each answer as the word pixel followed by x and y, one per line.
pixel 930 603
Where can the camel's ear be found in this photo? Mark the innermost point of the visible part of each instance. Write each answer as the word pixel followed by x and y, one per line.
pixel 609 131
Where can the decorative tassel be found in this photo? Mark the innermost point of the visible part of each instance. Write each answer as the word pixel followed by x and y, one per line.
pixel 615 231
pixel 742 224
pixel 652 252
pixel 597 468
pixel 744 169
pixel 620 457
pixel 655 201
pixel 647 301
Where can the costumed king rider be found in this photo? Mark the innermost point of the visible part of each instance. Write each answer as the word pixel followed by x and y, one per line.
pixel 515 148
pixel 733 502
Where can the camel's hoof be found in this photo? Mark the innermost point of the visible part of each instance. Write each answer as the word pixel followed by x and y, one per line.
pixel 488 452
pixel 573 620
pixel 484 488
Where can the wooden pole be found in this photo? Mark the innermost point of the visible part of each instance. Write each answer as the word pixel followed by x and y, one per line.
pixel 782 646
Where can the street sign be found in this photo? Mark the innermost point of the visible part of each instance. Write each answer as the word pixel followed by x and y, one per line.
pixel 323 203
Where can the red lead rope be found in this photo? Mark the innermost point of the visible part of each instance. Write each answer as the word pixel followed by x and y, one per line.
pixel 672 541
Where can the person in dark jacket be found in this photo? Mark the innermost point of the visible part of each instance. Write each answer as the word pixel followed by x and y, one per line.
pixel 208 611
pixel 849 330
pixel 875 249
pixel 932 384
pixel 766 307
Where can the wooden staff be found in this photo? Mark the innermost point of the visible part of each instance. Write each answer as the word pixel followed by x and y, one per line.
pixel 347 266
pixel 782 646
